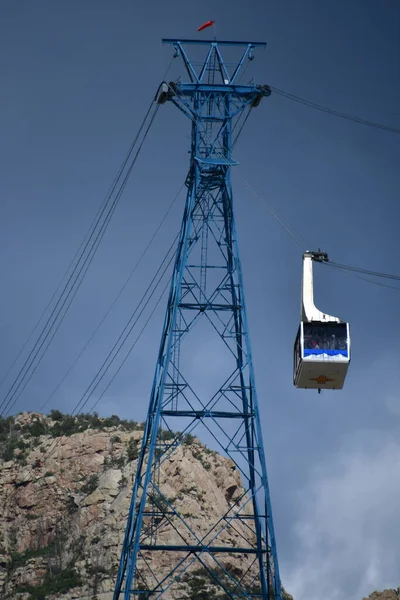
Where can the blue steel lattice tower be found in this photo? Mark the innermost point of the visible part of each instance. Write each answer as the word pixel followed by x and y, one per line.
pixel 204 381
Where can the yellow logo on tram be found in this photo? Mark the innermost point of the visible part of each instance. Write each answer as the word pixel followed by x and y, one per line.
pixel 321 379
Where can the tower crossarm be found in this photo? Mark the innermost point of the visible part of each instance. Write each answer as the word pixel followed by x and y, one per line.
pixel 214 46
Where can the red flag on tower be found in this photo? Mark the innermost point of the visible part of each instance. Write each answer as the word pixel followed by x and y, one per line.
pixel 206 24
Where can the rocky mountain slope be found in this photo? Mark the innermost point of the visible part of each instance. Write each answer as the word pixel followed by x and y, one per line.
pixel 385 595
pixel 65 486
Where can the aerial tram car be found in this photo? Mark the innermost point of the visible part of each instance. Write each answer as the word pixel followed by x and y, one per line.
pixel 322 345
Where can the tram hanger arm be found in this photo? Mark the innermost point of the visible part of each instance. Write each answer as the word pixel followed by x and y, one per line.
pixel 318 255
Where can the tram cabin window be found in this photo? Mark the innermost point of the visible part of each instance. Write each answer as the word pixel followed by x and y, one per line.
pixel 325 338
pixel 297 352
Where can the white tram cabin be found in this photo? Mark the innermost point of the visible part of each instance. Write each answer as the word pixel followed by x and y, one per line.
pixel 321 355
pixel 322 345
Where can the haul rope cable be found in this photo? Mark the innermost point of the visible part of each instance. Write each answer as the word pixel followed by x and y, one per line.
pixel 129 326
pixel 84 243
pixel 295 237
pixel 57 441
pixel 113 303
pixel 347 270
pixel 244 121
pixel 63 300
pixel 132 346
pixel 24 376
pixel 78 409
pixel 352 270
pixel 332 111
pixel 126 330
pixel 386 285
pixel 92 225
pixel 51 451
pixel 364 271
pixel 24 345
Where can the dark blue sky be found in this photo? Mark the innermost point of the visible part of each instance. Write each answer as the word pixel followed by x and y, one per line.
pixel 76 80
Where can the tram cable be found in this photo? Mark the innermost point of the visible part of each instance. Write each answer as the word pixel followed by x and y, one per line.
pixel 117 297
pixel 332 111
pixel 348 270
pixel 242 124
pixel 132 346
pixel 364 271
pixel 49 453
pixel 85 244
pixel 127 330
pixel 82 261
pixel 30 336
pixel 300 241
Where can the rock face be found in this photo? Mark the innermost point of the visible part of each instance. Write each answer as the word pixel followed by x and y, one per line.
pixel 65 488
pixel 385 595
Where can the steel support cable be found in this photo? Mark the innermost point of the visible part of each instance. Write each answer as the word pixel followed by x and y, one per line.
pixel 132 346
pixel 88 233
pixel 354 270
pixel 363 271
pixel 55 443
pixel 82 245
pixel 66 302
pixel 82 402
pixel 300 241
pixel 298 238
pixel 117 297
pixel 24 345
pixel 122 338
pixel 47 455
pixel 51 451
pixel 332 111
pixel 244 121
pixel 69 292
pixel 355 273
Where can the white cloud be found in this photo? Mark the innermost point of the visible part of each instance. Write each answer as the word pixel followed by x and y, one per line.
pixel 346 540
